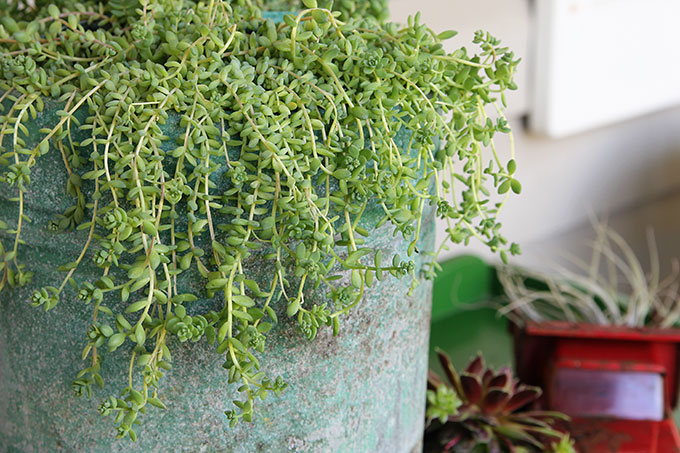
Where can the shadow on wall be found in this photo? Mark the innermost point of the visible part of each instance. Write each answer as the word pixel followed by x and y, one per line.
pixel 660 212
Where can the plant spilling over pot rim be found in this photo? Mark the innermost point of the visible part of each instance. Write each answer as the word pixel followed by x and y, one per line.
pixel 299 118
pixel 479 411
pixel 611 289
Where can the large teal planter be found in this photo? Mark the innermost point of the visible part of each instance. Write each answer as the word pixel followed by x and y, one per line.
pixel 362 391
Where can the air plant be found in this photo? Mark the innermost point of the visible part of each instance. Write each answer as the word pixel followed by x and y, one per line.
pixel 481 411
pixel 611 289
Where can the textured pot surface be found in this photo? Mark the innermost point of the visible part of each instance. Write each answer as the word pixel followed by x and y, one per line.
pixel 362 391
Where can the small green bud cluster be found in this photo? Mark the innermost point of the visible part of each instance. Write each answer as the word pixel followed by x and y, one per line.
pixel 17 175
pixel 115 219
pixel 16 66
pixel 98 333
pixel 186 327
pixel 48 297
pixel 88 293
pixel 310 321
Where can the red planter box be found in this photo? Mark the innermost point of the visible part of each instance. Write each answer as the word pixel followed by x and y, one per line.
pixel 618 384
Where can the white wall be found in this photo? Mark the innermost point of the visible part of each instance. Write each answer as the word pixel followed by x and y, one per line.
pixel 629 171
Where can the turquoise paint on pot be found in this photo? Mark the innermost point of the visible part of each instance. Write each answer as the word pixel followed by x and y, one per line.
pixel 277 16
pixel 362 391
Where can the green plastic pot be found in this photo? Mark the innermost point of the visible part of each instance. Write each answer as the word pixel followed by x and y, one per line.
pixel 463 323
pixel 361 391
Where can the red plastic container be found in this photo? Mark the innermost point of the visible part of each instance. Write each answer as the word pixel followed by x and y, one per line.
pixel 618 384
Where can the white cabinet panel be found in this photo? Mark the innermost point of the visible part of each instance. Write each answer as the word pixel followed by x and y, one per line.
pixel 601 61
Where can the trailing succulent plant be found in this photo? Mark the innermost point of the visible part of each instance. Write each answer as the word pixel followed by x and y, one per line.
pixel 287 135
pixel 479 411
pixel 377 9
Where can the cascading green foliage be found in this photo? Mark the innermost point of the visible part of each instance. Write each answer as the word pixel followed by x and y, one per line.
pixel 377 9
pixel 287 134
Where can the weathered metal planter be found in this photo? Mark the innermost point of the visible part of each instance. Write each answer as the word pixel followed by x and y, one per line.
pixel 619 384
pixel 361 391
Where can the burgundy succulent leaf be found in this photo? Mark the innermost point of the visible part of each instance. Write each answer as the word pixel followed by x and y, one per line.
pixel 450 372
pixel 472 388
pixel 433 381
pixel 453 442
pixel 482 434
pixel 547 432
pixel 487 378
pixel 501 380
pixel 465 411
pixel 476 366
pixel 508 445
pixel 495 400
pixel 530 421
pixel 545 415
pixel 518 433
pixel 522 397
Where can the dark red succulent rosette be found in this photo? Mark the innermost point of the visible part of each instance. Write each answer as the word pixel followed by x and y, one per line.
pixel 493 416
